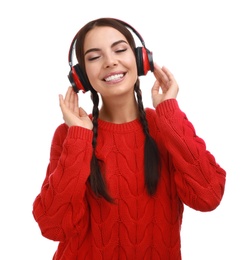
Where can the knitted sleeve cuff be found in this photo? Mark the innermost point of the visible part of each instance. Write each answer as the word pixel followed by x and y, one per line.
pixel 77 132
pixel 167 106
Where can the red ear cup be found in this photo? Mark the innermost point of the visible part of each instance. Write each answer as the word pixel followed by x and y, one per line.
pixel 144 60
pixel 78 80
pixel 147 60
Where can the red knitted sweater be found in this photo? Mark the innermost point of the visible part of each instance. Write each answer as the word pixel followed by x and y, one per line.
pixel 137 226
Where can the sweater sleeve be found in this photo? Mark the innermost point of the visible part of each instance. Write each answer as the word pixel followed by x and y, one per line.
pixel 60 208
pixel 199 179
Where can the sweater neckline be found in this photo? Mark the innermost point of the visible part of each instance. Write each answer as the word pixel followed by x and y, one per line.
pixel 123 127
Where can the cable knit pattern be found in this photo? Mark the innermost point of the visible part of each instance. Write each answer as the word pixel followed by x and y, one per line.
pixel 137 226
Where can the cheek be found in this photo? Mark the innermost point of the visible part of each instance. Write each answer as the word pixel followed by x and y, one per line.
pixel 91 74
pixel 131 63
pixel 134 65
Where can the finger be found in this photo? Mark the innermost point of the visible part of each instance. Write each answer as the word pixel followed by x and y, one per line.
pixel 75 103
pixel 61 100
pixel 71 100
pixel 168 73
pixel 67 97
pixel 161 75
pixel 62 105
pixel 155 88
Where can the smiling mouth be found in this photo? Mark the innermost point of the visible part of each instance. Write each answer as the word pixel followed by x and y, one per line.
pixel 114 77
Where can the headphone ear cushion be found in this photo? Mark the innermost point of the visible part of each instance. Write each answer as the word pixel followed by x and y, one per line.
pixel 144 60
pixel 78 80
pixel 139 61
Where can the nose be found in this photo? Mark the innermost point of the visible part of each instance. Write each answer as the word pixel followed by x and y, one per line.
pixel 110 60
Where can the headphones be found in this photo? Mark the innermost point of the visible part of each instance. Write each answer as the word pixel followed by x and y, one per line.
pixel 78 79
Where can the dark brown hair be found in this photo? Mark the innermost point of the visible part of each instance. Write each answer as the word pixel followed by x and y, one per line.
pixel 151 156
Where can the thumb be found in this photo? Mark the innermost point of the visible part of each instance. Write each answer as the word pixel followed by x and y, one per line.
pixel 85 119
pixel 82 112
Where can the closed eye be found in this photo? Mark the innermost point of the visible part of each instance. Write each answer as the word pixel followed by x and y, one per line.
pixel 121 50
pixel 93 58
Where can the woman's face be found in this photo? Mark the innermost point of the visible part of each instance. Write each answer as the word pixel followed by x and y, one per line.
pixel 109 61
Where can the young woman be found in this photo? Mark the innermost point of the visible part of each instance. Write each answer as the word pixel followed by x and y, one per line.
pixel 117 179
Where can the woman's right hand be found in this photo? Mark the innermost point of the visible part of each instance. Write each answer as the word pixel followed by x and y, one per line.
pixel 165 86
pixel 73 115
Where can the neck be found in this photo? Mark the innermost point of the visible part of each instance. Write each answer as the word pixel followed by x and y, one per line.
pixel 119 110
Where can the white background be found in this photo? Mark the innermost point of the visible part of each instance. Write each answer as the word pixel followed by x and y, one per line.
pixel 206 44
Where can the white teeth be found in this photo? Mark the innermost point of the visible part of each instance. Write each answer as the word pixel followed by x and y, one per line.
pixel 113 77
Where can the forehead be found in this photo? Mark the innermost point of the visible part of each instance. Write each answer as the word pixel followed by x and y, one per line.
pixel 102 35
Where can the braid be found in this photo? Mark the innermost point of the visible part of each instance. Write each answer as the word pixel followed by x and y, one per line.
pixel 95 114
pixel 96 179
pixel 151 154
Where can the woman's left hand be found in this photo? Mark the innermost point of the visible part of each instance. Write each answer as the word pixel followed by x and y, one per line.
pixel 165 87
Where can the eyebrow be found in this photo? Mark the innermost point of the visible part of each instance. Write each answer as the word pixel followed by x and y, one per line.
pixel 97 49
